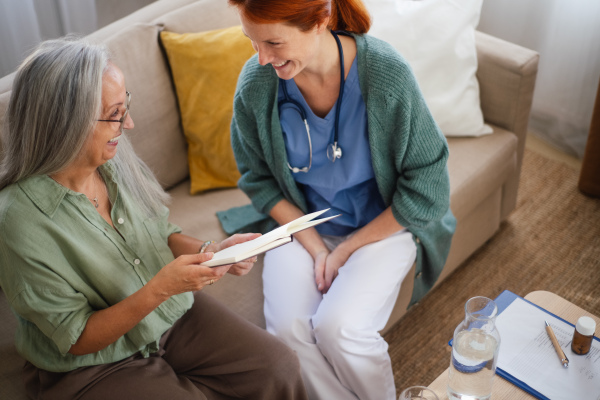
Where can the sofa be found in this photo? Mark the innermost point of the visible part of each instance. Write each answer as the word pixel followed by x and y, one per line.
pixel 484 171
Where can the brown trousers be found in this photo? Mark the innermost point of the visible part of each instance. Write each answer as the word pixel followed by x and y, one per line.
pixel 210 353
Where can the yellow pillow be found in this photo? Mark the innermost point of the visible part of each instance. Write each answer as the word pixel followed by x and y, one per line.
pixel 205 67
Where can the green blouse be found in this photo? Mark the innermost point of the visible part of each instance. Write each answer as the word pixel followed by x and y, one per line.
pixel 60 261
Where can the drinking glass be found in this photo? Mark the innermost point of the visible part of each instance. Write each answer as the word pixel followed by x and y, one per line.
pixel 418 392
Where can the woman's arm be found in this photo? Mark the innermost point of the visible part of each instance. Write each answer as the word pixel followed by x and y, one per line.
pixel 181 244
pixel 183 274
pixel 284 212
pixel 378 229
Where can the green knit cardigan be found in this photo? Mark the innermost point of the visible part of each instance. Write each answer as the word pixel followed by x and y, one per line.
pixel 408 151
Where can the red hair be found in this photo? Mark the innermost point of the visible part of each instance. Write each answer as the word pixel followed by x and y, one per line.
pixel 346 15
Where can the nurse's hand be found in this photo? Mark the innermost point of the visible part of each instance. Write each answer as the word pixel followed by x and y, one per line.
pixel 320 260
pixel 335 260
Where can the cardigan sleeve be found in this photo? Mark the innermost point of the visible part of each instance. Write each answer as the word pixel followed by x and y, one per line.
pixel 408 149
pixel 423 186
pixel 249 137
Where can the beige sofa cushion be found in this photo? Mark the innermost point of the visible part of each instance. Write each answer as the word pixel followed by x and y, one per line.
pixel 478 167
pixel 200 16
pixel 157 135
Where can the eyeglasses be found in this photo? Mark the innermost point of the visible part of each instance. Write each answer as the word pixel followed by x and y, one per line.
pixel 121 120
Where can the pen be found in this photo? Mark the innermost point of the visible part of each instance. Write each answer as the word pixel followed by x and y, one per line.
pixel 561 354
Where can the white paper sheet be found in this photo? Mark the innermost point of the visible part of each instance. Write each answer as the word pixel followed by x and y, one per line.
pixel 527 354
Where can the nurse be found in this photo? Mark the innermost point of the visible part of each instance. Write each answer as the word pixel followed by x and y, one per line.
pixel 326 116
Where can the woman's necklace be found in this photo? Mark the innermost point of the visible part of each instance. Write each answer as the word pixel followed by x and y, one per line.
pixel 95 199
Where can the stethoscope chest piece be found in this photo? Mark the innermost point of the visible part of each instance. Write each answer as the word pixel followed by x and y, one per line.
pixel 334 152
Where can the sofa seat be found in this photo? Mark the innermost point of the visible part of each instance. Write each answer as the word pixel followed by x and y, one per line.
pixel 493 156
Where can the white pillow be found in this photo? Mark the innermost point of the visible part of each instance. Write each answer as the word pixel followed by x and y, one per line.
pixel 437 38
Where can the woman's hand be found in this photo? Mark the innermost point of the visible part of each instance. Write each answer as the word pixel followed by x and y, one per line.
pixel 379 228
pixel 243 267
pixel 185 274
pixel 320 258
pixel 335 260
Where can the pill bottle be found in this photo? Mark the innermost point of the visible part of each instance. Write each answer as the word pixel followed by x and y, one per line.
pixel 583 336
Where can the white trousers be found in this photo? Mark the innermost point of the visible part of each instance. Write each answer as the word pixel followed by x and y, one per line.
pixel 336 335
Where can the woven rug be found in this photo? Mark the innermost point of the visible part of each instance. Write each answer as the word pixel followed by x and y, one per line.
pixel 551 241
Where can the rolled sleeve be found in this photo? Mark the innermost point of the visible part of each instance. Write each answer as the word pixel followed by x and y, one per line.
pixel 61 316
pixel 172 228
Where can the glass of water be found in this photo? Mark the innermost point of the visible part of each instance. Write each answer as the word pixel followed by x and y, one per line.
pixel 418 392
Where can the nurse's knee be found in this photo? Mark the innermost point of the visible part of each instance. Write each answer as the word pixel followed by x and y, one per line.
pixel 329 334
pixel 291 330
pixel 338 336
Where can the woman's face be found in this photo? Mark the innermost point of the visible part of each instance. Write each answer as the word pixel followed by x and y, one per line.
pixel 288 49
pixel 102 144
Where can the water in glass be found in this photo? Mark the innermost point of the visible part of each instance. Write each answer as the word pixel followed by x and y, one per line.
pixel 474 352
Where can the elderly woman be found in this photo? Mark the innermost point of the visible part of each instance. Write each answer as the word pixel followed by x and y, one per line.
pixel 106 291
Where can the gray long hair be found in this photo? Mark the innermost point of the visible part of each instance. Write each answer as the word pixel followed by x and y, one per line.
pixel 55 102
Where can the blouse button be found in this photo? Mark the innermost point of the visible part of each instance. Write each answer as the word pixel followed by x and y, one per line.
pixel 136 261
pixel 120 220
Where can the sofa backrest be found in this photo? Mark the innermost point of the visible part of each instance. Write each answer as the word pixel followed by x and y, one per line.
pixel 133 42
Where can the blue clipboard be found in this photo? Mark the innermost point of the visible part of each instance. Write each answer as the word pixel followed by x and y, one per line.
pixel 503 301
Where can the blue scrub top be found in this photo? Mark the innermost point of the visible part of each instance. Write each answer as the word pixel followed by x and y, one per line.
pixel 348 185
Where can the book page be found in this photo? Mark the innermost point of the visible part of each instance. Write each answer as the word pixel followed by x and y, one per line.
pixel 243 248
pixel 527 354
pixel 268 241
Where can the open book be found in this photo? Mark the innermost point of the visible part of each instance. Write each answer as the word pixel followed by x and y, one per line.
pixel 268 241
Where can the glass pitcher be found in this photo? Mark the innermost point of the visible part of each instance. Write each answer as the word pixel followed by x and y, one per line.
pixel 474 352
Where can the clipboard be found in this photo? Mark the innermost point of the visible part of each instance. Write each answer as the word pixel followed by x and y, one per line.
pixel 503 300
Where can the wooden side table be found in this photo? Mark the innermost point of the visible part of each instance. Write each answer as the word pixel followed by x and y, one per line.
pixel 502 389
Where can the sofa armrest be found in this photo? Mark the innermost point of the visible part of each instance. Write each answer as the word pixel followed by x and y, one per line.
pixel 506 74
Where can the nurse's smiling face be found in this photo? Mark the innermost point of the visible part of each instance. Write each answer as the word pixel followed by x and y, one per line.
pixel 288 49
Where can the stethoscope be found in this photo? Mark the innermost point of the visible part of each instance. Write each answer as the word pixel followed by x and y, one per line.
pixel 333 150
